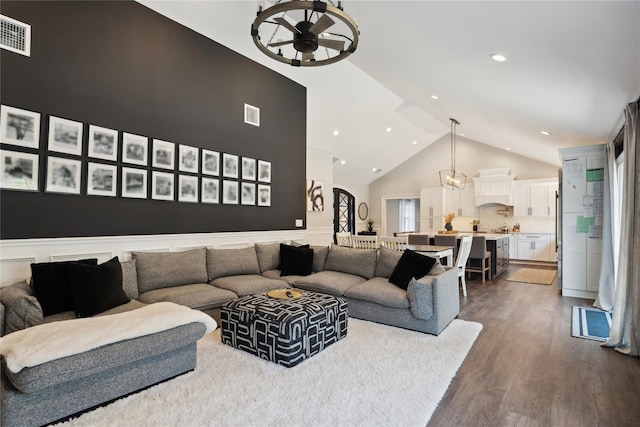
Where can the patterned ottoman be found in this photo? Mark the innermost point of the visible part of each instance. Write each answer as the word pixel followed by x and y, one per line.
pixel 284 331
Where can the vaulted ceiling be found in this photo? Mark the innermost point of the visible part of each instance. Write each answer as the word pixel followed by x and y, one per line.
pixel 571 68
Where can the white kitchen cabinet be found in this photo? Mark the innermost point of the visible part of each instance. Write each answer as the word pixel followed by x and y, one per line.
pixel 460 202
pixel 513 246
pixel 534 197
pixel 535 247
pixel 431 208
pixel 579 259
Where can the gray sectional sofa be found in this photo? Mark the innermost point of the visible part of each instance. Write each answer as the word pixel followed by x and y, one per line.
pixel 205 279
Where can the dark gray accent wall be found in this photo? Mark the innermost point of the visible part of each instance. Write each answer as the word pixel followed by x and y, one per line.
pixel 120 65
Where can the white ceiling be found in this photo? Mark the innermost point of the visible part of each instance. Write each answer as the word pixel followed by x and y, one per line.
pixel 572 67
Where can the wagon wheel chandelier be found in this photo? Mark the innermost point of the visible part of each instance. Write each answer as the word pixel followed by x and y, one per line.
pixel 305 33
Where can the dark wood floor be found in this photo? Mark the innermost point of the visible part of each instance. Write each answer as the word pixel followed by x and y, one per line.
pixel 525 369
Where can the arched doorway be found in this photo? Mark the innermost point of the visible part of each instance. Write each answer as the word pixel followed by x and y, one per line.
pixel 344 212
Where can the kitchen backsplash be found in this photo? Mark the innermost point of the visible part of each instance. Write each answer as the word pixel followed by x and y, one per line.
pixel 491 220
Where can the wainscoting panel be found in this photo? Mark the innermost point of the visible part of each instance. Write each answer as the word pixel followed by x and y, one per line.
pixel 102 256
pixel 15 269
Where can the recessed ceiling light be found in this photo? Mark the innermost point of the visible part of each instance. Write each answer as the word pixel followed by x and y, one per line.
pixel 507 148
pixel 498 57
pixel 376 170
pixel 434 97
pixel 343 162
pixel 388 130
pixel 545 133
pixel 462 134
pixel 415 142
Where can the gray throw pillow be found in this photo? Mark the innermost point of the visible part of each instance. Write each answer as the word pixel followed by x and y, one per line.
pixel 232 262
pixel 22 309
pixel 360 262
pixel 437 269
pixel 387 261
pixel 268 256
pixel 130 278
pixel 165 269
pixel 420 294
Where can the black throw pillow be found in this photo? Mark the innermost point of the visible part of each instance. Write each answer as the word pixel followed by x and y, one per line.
pixel 50 286
pixel 411 264
pixel 296 261
pixel 96 288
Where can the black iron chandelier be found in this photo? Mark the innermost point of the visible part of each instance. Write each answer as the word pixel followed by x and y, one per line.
pixel 305 33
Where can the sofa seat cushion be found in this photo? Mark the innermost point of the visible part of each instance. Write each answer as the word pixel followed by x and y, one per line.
pixel 276 274
pixel 249 284
pixel 68 315
pixel 328 282
pixel 380 291
pixel 166 269
pixel 102 359
pixel 200 296
pixel 360 262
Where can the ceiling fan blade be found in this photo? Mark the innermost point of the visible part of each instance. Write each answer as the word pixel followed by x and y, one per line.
pixel 332 44
pixel 280 20
pixel 321 24
pixel 280 43
pixel 308 56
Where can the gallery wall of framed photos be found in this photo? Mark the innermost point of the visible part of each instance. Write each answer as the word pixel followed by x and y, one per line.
pixel 123 122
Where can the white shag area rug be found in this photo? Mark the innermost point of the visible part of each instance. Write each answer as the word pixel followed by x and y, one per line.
pixel 376 375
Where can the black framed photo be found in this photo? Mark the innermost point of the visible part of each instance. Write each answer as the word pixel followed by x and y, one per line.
pixel 19 170
pixel 101 179
pixel 230 165
pixel 248 169
pixel 135 149
pixel 188 159
pixel 162 187
pixel 65 136
pixel 134 183
pixel 103 143
pixel 19 127
pixel 163 154
pixel 210 162
pixel 248 193
pixel 264 171
pixel 63 175
pixel 264 195
pixel 188 191
pixel 230 192
pixel 210 190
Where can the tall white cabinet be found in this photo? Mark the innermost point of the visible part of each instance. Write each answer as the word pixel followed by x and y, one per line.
pixel 581 218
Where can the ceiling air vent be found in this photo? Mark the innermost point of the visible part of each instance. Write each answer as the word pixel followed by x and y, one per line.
pixel 15 36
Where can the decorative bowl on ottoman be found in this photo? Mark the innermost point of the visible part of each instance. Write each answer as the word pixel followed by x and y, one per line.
pixel 284 331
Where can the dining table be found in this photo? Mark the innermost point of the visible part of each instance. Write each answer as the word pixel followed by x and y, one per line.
pixel 435 251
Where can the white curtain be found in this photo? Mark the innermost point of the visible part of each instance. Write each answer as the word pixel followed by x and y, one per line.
pixel 625 327
pixel 407 215
pixel 610 248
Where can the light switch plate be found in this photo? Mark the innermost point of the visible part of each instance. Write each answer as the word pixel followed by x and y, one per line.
pixel 299 223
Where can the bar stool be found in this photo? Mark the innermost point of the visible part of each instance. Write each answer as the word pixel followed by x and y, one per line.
pixel 480 253
pixel 447 240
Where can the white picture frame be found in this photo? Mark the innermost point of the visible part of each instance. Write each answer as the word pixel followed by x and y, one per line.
pixel 251 115
pixel 102 180
pixel 163 154
pixel 134 183
pixel 248 194
pixel 248 169
pixel 135 149
pixel 188 189
pixel 210 162
pixel 63 175
pixel 19 127
pixel 103 143
pixel 230 192
pixel 229 165
pixel 264 171
pixel 189 158
pixel 210 192
pixel 19 170
pixel 264 195
pixel 162 186
pixel 65 136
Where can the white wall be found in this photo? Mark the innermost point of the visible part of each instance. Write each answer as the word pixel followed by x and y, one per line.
pixel 422 169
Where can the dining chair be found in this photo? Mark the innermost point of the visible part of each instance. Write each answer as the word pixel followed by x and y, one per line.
pixel 419 239
pixel 364 242
pixel 447 240
pixel 461 261
pixel 398 243
pixel 344 239
pixel 481 255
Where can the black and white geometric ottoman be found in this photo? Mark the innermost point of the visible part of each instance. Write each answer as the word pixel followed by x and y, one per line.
pixel 284 331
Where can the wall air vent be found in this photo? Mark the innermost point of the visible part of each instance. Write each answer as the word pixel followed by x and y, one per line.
pixel 15 36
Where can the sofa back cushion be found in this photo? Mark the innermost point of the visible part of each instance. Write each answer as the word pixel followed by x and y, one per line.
pixel 165 269
pixel 232 262
pixel 387 261
pixel 268 256
pixel 130 278
pixel 360 262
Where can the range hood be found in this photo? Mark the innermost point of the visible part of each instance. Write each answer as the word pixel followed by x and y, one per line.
pixel 494 186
